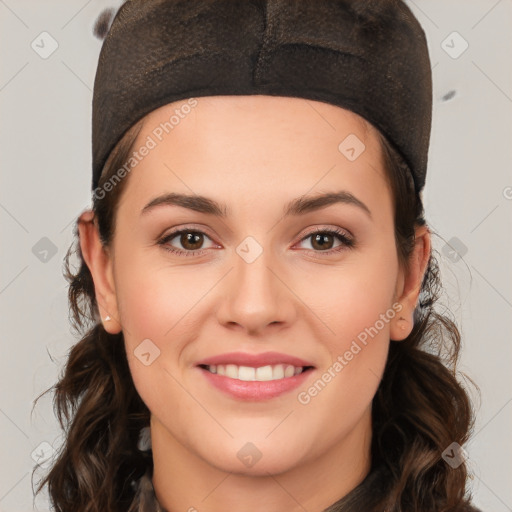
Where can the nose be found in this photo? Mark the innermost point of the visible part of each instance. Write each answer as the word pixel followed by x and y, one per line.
pixel 255 295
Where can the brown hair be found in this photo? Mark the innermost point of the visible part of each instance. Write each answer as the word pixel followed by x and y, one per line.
pixel 419 409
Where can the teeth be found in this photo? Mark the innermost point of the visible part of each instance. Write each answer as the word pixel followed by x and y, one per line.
pixel 261 374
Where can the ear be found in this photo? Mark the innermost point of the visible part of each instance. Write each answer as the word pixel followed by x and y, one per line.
pixel 409 285
pixel 98 259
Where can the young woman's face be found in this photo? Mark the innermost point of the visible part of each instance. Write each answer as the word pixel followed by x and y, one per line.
pixel 256 280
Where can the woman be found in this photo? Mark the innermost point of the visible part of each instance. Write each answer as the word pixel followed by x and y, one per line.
pixel 256 282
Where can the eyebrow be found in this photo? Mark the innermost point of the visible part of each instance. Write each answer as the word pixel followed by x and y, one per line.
pixel 298 206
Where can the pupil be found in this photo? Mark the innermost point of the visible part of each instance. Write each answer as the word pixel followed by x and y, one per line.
pixel 191 238
pixel 320 238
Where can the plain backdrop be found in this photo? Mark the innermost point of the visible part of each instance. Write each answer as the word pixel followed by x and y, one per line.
pixel 45 99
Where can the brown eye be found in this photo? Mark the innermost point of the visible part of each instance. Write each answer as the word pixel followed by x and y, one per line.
pixel 191 240
pixel 185 242
pixel 322 241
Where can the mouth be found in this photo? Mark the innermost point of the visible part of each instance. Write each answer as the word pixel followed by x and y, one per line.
pixel 256 374
pixel 255 384
pixel 254 377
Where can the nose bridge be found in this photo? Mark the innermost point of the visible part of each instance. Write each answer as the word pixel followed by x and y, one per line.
pixel 255 296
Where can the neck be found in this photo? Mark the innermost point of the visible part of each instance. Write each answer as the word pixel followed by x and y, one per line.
pixel 184 481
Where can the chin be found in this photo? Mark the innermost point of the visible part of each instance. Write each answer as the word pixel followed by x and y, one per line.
pixel 255 459
pixel 260 468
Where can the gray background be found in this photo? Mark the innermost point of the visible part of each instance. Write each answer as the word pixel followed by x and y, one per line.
pixel 45 181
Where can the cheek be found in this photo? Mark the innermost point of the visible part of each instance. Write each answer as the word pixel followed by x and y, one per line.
pixel 156 303
pixel 356 304
pixel 353 296
pixel 159 304
pixel 154 298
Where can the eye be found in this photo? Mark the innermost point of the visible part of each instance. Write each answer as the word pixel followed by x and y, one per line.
pixel 190 240
pixel 322 240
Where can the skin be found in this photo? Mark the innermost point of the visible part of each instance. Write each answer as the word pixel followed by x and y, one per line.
pixel 255 154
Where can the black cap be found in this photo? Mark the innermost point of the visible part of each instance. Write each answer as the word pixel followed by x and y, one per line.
pixel 367 56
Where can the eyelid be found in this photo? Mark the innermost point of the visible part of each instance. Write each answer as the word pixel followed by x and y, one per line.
pixel 163 239
pixel 344 236
pixel 347 240
pixel 326 229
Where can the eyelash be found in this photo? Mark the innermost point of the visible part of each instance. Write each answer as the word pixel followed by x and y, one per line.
pixel 347 242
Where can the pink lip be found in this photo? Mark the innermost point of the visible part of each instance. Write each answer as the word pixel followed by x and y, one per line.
pixel 254 390
pixel 254 360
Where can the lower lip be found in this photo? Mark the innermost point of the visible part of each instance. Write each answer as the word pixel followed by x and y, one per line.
pixel 255 390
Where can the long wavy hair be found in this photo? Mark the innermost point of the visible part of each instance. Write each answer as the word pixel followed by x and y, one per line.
pixel 419 409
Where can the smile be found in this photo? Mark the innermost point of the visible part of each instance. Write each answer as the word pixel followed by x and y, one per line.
pixel 259 374
pixel 255 383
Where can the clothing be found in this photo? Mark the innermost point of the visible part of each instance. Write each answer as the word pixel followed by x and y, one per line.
pixel 146 500
pixel 369 57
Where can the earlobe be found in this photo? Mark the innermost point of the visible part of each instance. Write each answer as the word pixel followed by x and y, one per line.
pixel 401 327
pixel 98 260
pixel 403 323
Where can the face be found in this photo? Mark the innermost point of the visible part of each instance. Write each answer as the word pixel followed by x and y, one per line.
pixel 315 281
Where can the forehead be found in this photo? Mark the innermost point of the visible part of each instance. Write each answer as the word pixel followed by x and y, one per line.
pixel 296 117
pixel 251 144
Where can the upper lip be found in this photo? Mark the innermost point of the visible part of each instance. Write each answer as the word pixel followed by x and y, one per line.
pixel 254 360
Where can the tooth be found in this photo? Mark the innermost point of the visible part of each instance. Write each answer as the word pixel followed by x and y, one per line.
pixel 232 371
pixel 246 373
pixel 277 372
pixel 289 371
pixel 264 373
